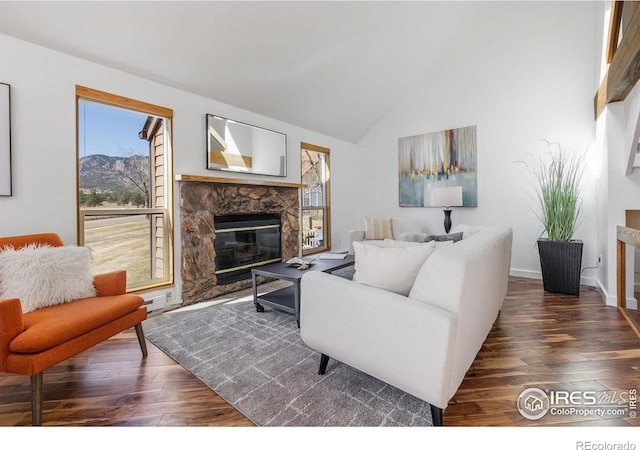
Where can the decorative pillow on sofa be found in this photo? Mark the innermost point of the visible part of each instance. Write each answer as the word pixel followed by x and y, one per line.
pixel 392 268
pixel 378 228
pixel 41 275
pixel 455 237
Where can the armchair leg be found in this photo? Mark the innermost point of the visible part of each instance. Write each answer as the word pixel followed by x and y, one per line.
pixel 37 395
pixel 324 360
pixel 436 416
pixel 141 341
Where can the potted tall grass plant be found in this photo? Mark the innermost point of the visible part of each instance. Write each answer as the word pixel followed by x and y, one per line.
pixel 558 182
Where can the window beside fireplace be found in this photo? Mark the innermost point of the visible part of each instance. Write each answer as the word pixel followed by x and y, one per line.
pixel 124 202
pixel 316 219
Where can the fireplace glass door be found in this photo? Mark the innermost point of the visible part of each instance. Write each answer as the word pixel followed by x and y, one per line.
pixel 245 241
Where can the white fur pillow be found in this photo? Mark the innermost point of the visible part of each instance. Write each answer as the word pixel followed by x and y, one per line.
pixel 41 275
pixel 393 268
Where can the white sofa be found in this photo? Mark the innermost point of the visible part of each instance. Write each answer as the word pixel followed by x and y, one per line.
pixel 402 229
pixel 424 343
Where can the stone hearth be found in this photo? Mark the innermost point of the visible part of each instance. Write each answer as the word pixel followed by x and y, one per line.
pixel 200 199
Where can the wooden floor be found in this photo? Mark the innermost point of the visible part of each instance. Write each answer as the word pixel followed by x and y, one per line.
pixel 541 340
pixel 548 341
pixel 112 385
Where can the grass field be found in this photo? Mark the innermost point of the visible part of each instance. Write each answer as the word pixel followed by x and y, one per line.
pixel 121 246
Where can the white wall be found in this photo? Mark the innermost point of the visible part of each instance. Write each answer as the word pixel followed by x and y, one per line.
pixel 44 139
pixel 529 75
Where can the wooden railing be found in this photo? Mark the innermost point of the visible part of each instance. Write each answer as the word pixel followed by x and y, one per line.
pixel 631 237
pixel 624 236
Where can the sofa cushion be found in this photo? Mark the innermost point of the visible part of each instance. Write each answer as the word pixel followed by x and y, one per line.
pixel 48 327
pixel 391 243
pixel 454 237
pixel 410 236
pixel 377 228
pixel 42 275
pixel 393 269
pixel 403 225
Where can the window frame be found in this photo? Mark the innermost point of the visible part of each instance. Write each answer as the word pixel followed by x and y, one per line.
pixel 327 199
pixel 95 96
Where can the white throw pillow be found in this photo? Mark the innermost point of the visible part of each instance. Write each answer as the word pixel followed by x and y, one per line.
pixel 41 275
pixel 392 268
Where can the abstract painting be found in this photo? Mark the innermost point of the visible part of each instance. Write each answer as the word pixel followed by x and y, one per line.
pixel 433 163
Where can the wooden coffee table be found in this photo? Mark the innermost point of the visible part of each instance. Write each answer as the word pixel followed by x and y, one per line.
pixel 288 299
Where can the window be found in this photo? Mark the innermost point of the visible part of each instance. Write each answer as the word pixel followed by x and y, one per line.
pixel 124 186
pixel 316 217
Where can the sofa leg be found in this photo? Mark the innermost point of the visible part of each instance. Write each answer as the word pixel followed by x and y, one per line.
pixel 37 396
pixel 141 341
pixel 324 360
pixel 436 416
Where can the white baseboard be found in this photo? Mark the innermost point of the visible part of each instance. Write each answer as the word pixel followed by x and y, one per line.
pixel 589 281
pixel 610 300
pixel 525 274
pixel 632 303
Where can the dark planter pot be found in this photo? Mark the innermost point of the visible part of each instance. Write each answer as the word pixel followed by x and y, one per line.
pixel 561 264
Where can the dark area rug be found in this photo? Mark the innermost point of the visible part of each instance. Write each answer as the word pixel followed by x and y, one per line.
pixel 258 363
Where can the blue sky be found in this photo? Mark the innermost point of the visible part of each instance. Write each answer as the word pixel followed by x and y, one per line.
pixel 104 130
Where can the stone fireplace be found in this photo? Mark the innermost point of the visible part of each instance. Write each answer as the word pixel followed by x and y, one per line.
pixel 204 198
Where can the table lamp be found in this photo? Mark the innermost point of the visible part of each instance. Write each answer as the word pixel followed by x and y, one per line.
pixel 447 196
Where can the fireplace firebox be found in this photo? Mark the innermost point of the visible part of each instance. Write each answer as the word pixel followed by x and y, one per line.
pixel 244 241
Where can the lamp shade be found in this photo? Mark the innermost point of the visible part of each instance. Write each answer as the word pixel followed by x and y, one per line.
pixel 447 196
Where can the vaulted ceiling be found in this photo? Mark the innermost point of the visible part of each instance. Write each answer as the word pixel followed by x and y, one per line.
pixel 332 67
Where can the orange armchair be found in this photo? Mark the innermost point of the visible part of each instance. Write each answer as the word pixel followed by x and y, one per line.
pixel 35 341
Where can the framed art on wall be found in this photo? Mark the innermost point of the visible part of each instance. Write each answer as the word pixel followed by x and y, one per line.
pixel 5 140
pixel 439 165
pixel 240 147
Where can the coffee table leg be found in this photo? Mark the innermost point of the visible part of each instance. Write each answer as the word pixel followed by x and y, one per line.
pixel 254 284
